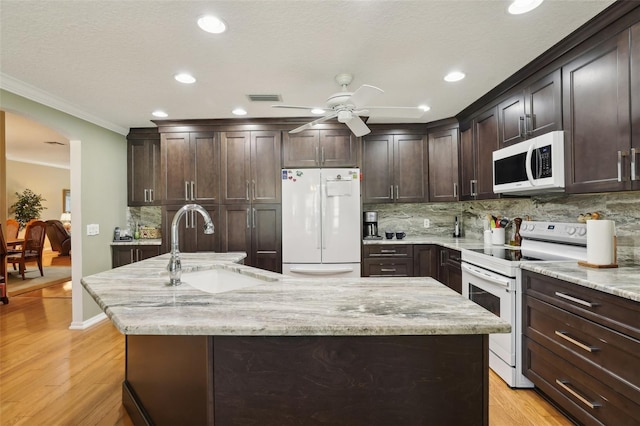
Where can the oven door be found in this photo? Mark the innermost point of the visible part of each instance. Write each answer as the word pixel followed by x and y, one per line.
pixel 496 293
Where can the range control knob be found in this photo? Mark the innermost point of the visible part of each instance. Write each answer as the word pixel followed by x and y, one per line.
pixel 571 230
pixel 582 231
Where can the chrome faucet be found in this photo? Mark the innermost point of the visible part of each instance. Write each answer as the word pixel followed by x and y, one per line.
pixel 175 265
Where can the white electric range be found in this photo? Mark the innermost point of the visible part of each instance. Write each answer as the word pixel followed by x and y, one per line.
pixel 492 278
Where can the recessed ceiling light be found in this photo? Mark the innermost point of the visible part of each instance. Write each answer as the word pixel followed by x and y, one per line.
pixel 317 111
pixel 185 78
pixel 523 6
pixel 160 114
pixel 211 24
pixel 425 108
pixel 239 111
pixel 454 76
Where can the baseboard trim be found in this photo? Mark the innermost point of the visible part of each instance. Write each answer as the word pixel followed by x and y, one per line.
pixel 83 325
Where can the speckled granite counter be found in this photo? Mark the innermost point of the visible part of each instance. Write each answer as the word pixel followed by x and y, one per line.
pixel 623 282
pixel 138 301
pixel 139 242
pixel 449 242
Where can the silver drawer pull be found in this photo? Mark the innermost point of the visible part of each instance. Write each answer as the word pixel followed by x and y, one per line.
pixel 570 339
pixel 387 251
pixel 575 299
pixel 582 399
pixel 387 270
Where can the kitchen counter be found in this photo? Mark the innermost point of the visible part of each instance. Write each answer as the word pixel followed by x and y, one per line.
pixel 138 301
pixel 449 242
pixel 138 242
pixel 623 281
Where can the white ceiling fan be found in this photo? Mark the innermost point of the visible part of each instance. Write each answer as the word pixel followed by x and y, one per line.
pixel 347 107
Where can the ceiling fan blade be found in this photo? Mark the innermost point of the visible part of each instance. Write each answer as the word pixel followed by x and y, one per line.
pixel 294 107
pixel 357 126
pixel 364 95
pixel 392 112
pixel 313 123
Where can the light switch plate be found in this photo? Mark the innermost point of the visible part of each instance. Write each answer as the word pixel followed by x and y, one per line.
pixel 93 229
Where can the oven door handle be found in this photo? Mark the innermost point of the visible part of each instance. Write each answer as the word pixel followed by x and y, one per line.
pixel 504 282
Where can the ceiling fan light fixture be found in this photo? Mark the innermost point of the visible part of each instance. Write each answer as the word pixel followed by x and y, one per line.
pixel 159 114
pixel 185 78
pixel 344 116
pixel 212 24
pixel 519 7
pixel 454 76
pixel 239 111
pixel 317 111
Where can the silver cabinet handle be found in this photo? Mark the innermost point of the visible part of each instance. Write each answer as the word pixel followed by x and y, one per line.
pixel 565 336
pixel 322 156
pixel 574 299
pixel 248 219
pixel 193 190
pixel 474 187
pixel 146 195
pixel 397 193
pixel 186 221
pixel 151 196
pixel 455 189
pixel 520 121
pixel 254 218
pixel 317 155
pixel 255 189
pixel 634 153
pixel 131 255
pixel 563 384
pixel 186 190
pixel 387 251
pixel 388 270
pixel 391 192
pixel 621 154
pixel 246 192
pixel 528 126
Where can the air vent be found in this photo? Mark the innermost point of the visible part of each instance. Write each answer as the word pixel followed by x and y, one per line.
pixel 54 143
pixel 265 98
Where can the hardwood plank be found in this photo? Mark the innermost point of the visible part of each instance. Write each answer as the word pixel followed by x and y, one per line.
pixel 75 377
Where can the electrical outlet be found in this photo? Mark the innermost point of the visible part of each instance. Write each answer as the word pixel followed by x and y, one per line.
pixel 93 229
pixel 427 223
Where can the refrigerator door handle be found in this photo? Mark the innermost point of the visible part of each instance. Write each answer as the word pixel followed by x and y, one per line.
pixel 323 214
pixel 318 219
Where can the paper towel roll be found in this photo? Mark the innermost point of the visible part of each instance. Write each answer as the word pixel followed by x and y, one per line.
pixel 600 242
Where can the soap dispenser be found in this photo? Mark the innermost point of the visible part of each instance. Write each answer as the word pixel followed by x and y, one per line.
pixel 456 228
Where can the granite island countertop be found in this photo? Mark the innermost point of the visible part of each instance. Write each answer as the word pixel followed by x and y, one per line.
pixel 138 301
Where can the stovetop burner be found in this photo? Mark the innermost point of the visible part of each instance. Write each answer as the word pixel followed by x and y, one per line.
pixel 513 255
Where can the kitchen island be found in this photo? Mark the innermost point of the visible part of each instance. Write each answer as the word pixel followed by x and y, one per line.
pixel 296 351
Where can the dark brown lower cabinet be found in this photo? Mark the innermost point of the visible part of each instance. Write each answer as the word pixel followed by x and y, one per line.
pixel 387 260
pixel 255 229
pixel 425 260
pixel 449 269
pixel 307 380
pixel 125 254
pixel 582 349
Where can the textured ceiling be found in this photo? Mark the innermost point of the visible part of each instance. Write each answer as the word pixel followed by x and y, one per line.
pixel 113 62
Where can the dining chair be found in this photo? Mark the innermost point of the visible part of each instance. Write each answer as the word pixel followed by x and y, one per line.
pixel 31 248
pixel 13 228
pixel 3 269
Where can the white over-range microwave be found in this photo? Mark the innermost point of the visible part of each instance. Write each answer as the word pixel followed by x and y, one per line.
pixel 533 166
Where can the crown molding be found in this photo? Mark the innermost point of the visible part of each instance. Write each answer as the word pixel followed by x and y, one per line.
pixel 20 88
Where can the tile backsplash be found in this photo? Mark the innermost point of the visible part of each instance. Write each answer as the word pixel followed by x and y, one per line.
pixel 622 207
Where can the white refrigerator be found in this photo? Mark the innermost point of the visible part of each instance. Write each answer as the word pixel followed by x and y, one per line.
pixel 321 233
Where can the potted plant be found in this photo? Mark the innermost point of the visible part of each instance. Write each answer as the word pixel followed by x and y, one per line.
pixel 28 207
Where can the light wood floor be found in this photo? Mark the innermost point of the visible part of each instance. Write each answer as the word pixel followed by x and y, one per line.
pixel 50 375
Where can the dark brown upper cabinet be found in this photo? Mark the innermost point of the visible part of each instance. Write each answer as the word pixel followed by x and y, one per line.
pixel 634 174
pixel 191 236
pixel 394 169
pixel 251 167
pixel 443 164
pixel 190 167
pixel 533 111
pixel 476 156
pixel 143 167
pixel 596 89
pixel 320 148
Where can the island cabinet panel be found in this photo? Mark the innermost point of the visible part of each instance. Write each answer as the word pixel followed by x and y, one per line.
pixel 316 380
pixel 443 165
pixel 596 111
pixel 582 349
pixel 320 148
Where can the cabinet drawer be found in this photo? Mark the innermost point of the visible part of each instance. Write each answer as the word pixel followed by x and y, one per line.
pixel 612 311
pixel 388 267
pixel 606 354
pixel 388 250
pixel 584 397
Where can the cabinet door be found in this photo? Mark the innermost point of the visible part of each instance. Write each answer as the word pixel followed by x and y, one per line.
pixel 338 148
pixel 425 260
pixel 596 108
pixel 467 165
pixel 635 105
pixel 139 171
pixel 301 149
pixel 147 251
pixel 205 180
pixel 410 169
pixel 543 105
pixel 176 167
pixel 512 120
pixel 121 255
pixel 205 242
pixel 236 167
pixel 486 134
pixel 266 186
pixel 235 230
pixel 266 237
pixel 443 165
pixel 377 169
pixel 186 242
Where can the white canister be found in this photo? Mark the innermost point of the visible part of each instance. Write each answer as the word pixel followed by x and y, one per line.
pixel 601 248
pixel 487 237
pixel 497 236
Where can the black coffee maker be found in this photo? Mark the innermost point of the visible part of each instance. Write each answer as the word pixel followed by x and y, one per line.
pixel 370 226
